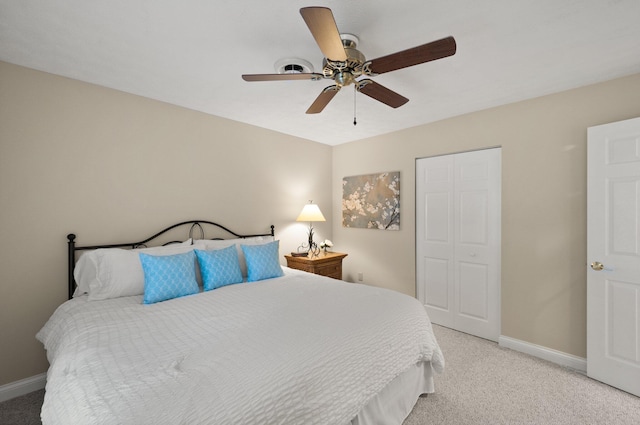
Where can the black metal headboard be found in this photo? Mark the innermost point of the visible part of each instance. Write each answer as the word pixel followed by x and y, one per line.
pixel 194 226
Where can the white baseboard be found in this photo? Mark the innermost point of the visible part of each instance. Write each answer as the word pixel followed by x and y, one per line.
pixel 22 387
pixel 549 354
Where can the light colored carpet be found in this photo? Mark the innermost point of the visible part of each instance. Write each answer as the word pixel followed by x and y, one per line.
pixel 23 410
pixel 486 384
pixel 482 384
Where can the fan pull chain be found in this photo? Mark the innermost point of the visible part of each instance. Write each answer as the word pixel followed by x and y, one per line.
pixel 355 92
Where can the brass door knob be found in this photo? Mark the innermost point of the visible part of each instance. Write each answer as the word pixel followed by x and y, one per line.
pixel 597 266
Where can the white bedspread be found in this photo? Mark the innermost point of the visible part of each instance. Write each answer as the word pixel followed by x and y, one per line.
pixel 291 350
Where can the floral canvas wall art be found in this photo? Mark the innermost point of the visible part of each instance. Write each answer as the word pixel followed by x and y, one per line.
pixel 371 201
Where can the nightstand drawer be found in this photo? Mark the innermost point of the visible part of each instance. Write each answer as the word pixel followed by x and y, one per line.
pixel 303 267
pixel 333 270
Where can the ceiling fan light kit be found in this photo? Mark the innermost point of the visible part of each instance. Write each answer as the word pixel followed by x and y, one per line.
pixel 344 63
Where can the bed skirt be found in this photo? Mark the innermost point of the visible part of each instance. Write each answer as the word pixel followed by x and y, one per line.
pixel 394 403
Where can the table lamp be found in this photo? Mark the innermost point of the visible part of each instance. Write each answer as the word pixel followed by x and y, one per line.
pixel 311 212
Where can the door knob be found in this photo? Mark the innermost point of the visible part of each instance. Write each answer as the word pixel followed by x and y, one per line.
pixel 597 266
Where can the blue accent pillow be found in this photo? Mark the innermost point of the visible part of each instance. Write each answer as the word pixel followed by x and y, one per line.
pixel 262 261
pixel 219 268
pixel 168 276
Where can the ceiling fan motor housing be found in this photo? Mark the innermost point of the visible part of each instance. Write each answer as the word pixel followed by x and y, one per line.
pixel 345 72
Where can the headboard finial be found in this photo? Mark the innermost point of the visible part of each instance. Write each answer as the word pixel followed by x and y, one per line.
pixel 71 237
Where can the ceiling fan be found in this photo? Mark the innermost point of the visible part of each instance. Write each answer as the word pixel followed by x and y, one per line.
pixel 344 64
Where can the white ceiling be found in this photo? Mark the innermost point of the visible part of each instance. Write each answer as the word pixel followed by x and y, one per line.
pixel 192 53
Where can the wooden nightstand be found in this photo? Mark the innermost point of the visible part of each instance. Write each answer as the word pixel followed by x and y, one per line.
pixel 325 264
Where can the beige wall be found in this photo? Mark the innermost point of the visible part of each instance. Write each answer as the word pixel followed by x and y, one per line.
pixel 111 167
pixel 106 165
pixel 543 203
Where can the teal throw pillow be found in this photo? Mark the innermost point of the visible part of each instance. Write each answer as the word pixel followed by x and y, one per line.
pixel 219 268
pixel 262 261
pixel 169 276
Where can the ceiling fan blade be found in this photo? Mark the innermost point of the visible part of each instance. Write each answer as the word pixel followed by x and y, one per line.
pixel 427 52
pixel 324 29
pixel 282 77
pixel 323 99
pixel 381 93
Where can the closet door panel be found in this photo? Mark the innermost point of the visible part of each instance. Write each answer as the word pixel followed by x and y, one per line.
pixel 458 240
pixel 434 239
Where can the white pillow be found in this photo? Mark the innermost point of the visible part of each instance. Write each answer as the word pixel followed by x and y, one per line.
pixel 112 272
pixel 210 245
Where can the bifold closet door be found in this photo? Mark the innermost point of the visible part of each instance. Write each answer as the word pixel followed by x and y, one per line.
pixel 458 201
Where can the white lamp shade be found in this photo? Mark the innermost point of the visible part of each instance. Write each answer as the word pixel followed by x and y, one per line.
pixel 311 212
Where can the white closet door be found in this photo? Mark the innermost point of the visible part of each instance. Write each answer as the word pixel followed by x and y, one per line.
pixel 434 237
pixel 458 240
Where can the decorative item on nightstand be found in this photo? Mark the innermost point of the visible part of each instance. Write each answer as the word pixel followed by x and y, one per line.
pixel 311 212
pixel 326 244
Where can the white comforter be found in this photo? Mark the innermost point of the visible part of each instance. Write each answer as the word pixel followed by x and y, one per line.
pixel 299 349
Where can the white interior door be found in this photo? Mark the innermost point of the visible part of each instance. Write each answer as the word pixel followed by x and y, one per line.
pixel 613 254
pixel 458 221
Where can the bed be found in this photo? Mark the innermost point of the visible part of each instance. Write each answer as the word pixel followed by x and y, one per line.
pixel 289 348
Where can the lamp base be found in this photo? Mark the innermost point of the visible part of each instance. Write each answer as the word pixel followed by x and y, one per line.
pixel 299 254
